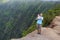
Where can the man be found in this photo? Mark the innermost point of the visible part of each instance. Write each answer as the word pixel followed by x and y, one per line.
pixel 39 23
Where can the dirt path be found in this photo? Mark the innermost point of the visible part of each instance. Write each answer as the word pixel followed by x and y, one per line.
pixel 47 33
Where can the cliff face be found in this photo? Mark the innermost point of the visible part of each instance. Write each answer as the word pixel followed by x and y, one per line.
pixel 56 24
pixel 16 17
pixel 46 33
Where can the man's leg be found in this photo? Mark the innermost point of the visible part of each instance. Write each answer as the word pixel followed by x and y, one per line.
pixel 39 28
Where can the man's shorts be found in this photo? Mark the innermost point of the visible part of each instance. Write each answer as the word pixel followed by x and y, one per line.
pixel 39 26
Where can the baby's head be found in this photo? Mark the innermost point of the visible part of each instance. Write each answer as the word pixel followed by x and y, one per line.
pixel 41 14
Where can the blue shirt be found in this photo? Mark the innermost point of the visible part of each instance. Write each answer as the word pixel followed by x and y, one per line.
pixel 39 20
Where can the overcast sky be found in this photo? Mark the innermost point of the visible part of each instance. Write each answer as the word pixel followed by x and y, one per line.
pixel 51 0
pixel 4 1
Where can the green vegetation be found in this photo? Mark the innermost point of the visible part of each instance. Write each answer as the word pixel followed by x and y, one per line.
pixel 50 14
pixel 17 19
pixel 48 17
pixel 30 29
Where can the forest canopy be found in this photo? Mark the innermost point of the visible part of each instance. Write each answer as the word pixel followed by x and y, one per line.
pixel 17 19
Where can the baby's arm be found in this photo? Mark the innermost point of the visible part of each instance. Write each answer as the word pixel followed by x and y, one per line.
pixel 41 18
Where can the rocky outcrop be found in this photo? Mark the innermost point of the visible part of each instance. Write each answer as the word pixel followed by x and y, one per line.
pixel 47 33
pixel 56 24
